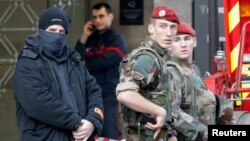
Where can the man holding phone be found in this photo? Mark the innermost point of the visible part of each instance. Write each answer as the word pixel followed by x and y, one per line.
pixel 102 49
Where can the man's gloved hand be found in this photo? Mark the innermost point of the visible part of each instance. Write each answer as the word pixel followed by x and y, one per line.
pixel 227 117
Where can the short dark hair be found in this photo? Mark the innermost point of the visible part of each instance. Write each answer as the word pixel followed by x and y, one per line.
pixel 100 5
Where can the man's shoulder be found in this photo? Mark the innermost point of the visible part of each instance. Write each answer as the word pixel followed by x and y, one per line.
pixel 139 61
pixel 143 53
pixel 175 69
pixel 116 33
pixel 144 59
pixel 28 53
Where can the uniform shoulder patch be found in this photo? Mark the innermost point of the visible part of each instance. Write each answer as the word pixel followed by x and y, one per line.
pixel 99 112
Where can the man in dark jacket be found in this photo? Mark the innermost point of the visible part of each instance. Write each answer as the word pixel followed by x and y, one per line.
pixel 102 49
pixel 56 98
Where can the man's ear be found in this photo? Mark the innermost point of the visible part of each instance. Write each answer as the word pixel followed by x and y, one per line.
pixel 111 16
pixel 150 29
pixel 195 42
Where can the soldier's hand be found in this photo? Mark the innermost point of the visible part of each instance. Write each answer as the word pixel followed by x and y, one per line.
pixel 173 138
pixel 157 132
pixel 160 119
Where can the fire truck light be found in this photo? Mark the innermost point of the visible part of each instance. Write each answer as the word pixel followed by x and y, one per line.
pixel 246 58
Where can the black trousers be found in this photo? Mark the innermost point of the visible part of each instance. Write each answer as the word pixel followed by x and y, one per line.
pixel 111 115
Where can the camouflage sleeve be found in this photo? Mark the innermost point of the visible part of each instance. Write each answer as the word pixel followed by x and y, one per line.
pixel 138 73
pixel 188 126
pixel 185 124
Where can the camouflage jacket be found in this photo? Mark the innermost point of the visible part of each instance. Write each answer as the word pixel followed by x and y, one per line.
pixel 196 106
pixel 141 71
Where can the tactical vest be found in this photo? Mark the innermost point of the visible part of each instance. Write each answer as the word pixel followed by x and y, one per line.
pixel 156 91
pixel 195 99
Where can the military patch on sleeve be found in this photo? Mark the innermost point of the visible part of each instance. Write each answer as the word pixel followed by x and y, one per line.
pixel 99 112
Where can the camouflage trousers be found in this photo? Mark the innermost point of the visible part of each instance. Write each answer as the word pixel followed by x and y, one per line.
pixel 183 138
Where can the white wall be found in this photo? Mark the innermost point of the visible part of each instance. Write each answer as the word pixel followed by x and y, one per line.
pixel 182 7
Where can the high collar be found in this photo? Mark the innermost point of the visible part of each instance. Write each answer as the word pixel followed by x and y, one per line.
pixel 150 42
pixel 181 62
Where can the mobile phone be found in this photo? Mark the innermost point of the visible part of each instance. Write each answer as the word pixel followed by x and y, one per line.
pixel 90 26
pixel 93 28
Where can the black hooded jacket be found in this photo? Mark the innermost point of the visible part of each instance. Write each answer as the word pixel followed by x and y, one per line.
pixel 42 115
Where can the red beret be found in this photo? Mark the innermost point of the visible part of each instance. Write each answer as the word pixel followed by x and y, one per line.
pixel 184 28
pixel 164 12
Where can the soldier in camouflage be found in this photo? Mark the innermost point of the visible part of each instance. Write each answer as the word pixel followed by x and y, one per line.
pixel 195 107
pixel 143 81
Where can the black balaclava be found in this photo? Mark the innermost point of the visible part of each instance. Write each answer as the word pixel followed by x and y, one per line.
pixel 53 42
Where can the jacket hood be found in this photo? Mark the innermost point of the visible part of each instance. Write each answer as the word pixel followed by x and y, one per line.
pixel 33 43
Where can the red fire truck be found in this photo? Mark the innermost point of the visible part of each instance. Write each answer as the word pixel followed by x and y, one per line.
pixel 231 67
